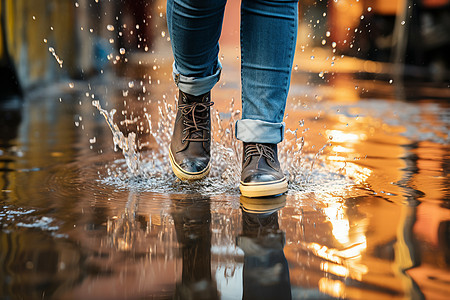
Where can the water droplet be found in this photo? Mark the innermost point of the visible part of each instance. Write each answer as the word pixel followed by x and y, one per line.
pixel 122 51
pixel 391 81
pixel 321 74
pixel 163 33
pixel 77 4
pixel 328 34
pixel 333 44
pixel 71 85
pixel 34 18
pixel 110 27
pixel 402 22
pixel 362 17
pixel 324 42
pixel 131 84
pixel 295 67
pixel 369 8
pixel 312 57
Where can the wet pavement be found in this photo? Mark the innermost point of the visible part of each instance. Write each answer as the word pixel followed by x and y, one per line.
pixel 366 216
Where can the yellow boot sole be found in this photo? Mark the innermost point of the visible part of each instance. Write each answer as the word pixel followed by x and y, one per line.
pixel 264 189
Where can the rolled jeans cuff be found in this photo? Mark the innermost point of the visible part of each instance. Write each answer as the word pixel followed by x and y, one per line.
pixel 257 131
pixel 194 85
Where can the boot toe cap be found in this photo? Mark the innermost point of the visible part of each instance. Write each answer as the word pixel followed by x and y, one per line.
pixel 257 177
pixel 194 165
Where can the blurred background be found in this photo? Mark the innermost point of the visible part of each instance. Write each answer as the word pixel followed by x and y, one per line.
pixel 47 40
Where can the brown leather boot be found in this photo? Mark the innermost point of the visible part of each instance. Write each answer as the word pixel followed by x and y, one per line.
pixel 261 172
pixel 191 140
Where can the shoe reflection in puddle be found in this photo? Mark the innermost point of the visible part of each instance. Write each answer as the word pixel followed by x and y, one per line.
pixel 266 272
pixel 192 218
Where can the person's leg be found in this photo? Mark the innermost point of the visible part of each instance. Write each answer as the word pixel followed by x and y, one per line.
pixel 194 27
pixel 268 38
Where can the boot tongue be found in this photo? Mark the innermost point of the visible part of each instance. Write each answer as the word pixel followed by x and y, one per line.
pixel 190 99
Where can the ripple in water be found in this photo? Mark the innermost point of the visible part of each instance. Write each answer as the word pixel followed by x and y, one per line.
pixel 151 171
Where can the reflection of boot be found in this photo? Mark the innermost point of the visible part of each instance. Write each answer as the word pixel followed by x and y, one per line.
pixel 260 206
pixel 192 218
pixel 266 272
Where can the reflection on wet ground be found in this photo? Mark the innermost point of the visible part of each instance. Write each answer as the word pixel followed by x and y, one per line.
pixel 366 216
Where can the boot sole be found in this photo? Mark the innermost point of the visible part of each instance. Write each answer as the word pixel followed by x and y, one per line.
pixel 185 175
pixel 264 189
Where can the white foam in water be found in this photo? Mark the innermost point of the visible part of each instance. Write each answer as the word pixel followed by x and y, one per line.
pixel 151 170
pixel 12 217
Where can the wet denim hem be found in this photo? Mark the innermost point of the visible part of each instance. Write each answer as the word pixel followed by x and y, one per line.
pixel 257 131
pixel 194 85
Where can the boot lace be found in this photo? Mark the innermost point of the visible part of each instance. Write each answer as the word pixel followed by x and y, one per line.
pixel 260 150
pixel 195 119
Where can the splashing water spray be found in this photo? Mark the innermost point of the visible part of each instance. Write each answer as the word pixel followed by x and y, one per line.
pixel 126 143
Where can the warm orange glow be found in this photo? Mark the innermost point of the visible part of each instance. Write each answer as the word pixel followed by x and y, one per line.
pixel 331 287
pixel 340 136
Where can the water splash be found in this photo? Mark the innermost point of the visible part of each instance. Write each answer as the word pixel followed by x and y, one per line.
pixel 151 170
pixel 126 144
pixel 57 58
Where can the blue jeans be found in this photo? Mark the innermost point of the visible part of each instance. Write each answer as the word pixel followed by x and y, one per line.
pixel 268 37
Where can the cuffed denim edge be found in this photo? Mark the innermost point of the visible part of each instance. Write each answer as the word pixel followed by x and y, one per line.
pixel 257 131
pixel 196 86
